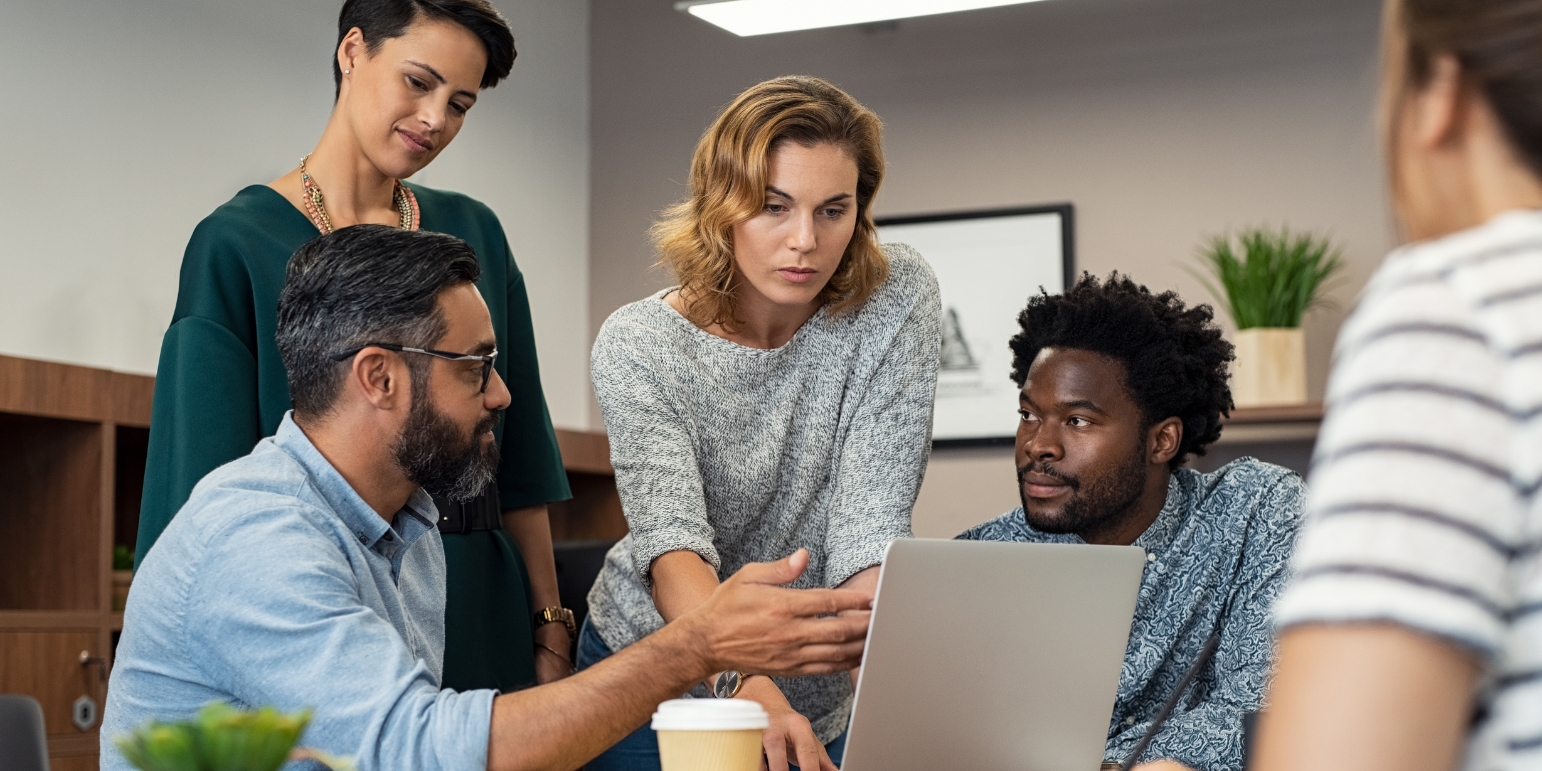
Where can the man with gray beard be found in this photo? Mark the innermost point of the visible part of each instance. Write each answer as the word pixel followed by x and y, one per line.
pixel 310 574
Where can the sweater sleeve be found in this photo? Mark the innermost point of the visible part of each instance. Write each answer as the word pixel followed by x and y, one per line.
pixel 657 475
pixel 884 455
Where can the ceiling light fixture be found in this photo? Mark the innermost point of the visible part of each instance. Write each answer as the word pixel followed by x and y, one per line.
pixel 763 17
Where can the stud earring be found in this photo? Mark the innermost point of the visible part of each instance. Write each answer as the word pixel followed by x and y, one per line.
pixel 345 72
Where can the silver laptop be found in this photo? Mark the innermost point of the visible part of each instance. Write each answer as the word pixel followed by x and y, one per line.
pixel 993 656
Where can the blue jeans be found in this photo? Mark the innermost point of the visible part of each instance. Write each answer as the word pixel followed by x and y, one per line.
pixel 639 750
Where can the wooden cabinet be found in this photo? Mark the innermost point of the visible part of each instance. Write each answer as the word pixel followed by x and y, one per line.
pixel 46 665
pixel 72 448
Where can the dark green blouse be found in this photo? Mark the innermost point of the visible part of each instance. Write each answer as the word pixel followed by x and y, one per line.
pixel 220 387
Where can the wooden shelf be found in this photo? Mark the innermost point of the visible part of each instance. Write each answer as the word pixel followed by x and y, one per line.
pixel 72 449
pixel 586 452
pixel 51 470
pixel 1290 413
pixel 1286 423
pixel 50 619
pixel 131 399
pixel 594 513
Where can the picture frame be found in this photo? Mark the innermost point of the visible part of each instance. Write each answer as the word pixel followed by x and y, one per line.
pixel 988 263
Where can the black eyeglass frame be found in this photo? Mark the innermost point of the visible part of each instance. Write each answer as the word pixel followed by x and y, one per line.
pixel 487 361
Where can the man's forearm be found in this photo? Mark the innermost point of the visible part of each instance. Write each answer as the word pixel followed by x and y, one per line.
pixel 750 623
pixel 564 724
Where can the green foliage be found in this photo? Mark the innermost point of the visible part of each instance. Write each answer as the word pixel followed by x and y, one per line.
pixel 122 557
pixel 1277 276
pixel 219 738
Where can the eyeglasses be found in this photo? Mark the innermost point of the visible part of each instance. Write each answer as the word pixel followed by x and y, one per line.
pixel 487 361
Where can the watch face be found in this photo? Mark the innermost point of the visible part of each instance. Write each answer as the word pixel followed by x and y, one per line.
pixel 727 685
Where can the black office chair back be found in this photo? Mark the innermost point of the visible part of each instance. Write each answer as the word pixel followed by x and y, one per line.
pixel 23 741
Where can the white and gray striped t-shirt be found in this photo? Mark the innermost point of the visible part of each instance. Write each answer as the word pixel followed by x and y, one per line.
pixel 1423 507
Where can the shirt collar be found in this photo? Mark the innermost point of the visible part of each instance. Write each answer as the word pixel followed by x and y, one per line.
pixel 340 497
pixel 1159 535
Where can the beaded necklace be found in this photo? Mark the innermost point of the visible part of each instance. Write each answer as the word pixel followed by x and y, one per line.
pixel 406 203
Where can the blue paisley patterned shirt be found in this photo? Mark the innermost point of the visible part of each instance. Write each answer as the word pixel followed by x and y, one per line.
pixel 1218 557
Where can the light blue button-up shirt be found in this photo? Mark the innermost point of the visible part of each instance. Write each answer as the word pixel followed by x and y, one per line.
pixel 278 585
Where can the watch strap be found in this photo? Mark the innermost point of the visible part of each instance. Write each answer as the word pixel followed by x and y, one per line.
pixel 553 615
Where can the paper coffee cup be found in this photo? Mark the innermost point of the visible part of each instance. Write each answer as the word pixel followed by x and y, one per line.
pixel 710 734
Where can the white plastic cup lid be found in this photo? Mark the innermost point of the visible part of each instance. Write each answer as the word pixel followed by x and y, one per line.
pixel 710 715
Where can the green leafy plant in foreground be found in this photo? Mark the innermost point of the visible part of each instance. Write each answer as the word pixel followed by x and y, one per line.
pixel 222 738
pixel 1275 278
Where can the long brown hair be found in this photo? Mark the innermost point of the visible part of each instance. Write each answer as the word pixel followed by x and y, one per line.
pixel 1498 45
pixel 728 186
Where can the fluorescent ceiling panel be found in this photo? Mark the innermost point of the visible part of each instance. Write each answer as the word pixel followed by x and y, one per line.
pixel 763 17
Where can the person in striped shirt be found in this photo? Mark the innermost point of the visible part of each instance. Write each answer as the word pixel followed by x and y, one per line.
pixel 1410 636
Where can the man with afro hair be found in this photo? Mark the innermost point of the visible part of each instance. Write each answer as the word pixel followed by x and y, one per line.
pixel 1119 387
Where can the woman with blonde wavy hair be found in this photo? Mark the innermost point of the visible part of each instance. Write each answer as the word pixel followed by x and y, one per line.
pixel 779 398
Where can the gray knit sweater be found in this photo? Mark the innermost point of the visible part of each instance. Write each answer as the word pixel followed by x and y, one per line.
pixel 744 455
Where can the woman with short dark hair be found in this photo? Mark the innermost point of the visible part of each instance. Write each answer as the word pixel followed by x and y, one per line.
pixel 1411 634
pixel 407 73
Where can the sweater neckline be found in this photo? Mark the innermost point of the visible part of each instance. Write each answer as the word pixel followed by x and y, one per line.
pixel 723 343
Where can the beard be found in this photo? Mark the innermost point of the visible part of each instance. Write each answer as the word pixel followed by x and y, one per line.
pixel 1104 502
pixel 438 457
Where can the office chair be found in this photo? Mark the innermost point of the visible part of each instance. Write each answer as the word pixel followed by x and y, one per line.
pixel 23 741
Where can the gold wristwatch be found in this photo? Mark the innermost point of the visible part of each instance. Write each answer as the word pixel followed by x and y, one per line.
pixel 553 615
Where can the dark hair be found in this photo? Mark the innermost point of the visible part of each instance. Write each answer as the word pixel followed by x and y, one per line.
pixel 358 285
pixel 381 20
pixel 1174 357
pixel 1499 46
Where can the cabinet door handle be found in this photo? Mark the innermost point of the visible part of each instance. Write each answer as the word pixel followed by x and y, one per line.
pixel 86 660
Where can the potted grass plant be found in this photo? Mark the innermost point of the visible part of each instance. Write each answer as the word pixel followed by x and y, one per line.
pixel 1267 280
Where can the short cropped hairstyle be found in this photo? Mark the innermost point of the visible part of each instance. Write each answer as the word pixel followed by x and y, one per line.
pixel 381 20
pixel 1175 360
pixel 358 285
pixel 728 180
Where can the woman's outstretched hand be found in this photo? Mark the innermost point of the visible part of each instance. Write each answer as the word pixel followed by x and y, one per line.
pixel 790 738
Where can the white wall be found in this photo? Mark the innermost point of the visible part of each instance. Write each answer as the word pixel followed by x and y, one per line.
pixel 525 153
pixel 124 123
pixel 1161 121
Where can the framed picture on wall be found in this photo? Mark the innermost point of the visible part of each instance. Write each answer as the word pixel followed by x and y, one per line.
pixel 988 263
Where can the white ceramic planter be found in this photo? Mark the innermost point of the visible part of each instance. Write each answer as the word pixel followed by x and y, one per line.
pixel 1270 369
